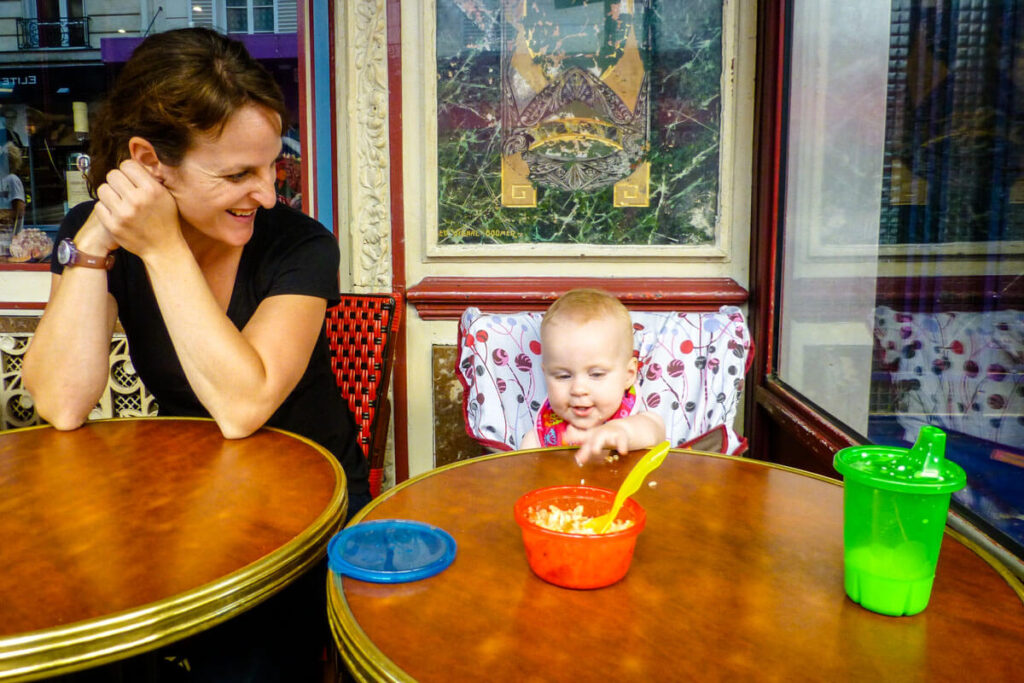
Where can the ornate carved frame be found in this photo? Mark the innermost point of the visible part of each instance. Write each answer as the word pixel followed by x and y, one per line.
pixel 361 126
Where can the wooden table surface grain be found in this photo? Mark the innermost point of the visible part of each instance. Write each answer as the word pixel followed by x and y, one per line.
pixel 737 576
pixel 125 535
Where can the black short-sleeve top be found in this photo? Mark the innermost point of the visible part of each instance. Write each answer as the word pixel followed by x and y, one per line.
pixel 289 253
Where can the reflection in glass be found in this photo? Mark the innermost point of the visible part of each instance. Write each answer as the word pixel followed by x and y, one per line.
pixel 54 71
pixel 903 300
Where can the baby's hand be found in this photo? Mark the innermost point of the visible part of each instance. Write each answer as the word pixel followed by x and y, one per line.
pixel 610 436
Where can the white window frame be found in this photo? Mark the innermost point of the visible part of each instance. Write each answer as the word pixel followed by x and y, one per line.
pixel 249 7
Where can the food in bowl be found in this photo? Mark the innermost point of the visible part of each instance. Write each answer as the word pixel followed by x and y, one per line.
pixel 578 560
pixel 572 521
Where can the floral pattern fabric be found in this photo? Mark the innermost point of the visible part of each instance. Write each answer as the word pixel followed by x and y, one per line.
pixel 691 372
pixel 961 371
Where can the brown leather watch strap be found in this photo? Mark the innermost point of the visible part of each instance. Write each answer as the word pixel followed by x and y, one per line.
pixel 90 261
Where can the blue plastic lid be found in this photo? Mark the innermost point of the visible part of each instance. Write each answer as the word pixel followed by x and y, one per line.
pixel 390 551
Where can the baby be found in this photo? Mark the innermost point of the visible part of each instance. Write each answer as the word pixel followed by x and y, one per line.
pixel 589 369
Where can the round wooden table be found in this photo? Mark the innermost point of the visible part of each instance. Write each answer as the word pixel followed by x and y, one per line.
pixel 737 576
pixel 126 535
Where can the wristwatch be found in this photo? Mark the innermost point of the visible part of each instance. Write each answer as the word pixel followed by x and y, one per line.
pixel 68 255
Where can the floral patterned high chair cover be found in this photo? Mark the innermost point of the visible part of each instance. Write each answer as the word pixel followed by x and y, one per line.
pixel 692 368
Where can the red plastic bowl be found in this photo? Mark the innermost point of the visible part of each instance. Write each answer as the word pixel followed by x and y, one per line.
pixel 579 560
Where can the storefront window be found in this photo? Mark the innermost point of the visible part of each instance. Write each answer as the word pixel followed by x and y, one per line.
pixel 55 66
pixel 902 303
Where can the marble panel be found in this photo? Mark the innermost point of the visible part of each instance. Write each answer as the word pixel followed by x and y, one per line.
pixel 451 442
pixel 672 88
pixel 18 324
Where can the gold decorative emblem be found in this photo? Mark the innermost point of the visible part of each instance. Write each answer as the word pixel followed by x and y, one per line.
pixel 575 99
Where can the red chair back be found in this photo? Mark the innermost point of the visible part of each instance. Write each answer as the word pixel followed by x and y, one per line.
pixel 361 332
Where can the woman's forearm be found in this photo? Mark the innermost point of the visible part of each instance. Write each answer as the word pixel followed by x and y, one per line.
pixel 241 378
pixel 67 364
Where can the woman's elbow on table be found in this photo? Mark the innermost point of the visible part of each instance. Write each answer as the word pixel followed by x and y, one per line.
pixel 60 412
pixel 61 417
pixel 234 432
pixel 240 424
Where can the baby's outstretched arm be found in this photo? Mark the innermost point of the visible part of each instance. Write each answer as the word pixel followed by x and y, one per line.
pixel 627 434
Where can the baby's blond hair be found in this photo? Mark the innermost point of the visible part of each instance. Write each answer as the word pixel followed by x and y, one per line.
pixel 583 305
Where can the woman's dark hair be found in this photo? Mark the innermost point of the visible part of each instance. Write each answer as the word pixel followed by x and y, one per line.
pixel 177 84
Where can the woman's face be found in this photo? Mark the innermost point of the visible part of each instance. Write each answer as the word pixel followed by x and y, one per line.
pixel 222 180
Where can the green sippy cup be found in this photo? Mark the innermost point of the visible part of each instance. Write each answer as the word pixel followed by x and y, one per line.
pixel 894 512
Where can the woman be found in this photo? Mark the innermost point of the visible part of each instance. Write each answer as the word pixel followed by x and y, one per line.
pixel 220 290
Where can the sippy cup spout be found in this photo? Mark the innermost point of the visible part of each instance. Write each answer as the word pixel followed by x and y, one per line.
pixel 930 451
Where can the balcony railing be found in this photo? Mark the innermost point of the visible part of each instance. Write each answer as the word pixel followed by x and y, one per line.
pixel 34 34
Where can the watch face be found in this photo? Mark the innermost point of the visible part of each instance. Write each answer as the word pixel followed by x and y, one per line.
pixel 64 252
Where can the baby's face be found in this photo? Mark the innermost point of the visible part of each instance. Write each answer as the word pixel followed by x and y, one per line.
pixel 587 367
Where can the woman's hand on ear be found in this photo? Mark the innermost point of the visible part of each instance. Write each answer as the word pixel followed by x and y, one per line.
pixel 137 210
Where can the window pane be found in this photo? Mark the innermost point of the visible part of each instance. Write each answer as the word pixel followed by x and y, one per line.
pixel 902 303
pixel 263 19
pixel 238 20
pixel 834 161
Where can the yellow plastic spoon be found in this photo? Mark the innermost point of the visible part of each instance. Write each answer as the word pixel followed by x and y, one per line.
pixel 630 485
